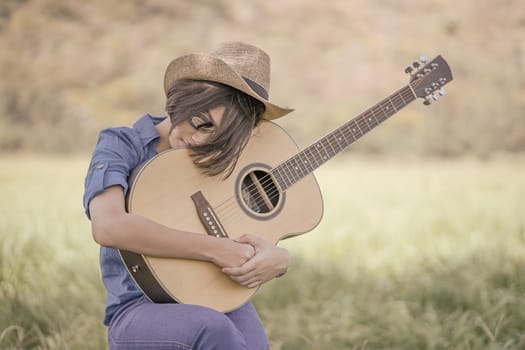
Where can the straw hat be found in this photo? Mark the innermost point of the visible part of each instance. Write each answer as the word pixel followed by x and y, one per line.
pixel 242 66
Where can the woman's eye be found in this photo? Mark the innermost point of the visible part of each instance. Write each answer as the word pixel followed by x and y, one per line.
pixel 206 127
pixel 202 124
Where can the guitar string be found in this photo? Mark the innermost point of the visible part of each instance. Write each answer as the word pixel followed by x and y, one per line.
pixel 268 184
pixel 333 141
pixel 229 206
pixel 361 122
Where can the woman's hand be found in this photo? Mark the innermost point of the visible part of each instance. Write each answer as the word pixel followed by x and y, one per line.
pixel 268 262
pixel 231 253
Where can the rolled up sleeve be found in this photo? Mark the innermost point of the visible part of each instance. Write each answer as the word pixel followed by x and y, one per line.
pixel 117 152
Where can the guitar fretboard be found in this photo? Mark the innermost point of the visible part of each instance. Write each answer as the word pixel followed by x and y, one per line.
pixel 303 163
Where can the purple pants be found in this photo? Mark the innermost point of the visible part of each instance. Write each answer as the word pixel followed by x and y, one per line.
pixel 144 325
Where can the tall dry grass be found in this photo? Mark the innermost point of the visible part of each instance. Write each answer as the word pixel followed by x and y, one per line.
pixel 409 255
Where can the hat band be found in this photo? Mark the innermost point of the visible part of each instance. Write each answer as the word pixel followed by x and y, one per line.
pixel 257 88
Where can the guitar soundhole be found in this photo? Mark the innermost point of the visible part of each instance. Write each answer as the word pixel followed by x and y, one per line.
pixel 259 192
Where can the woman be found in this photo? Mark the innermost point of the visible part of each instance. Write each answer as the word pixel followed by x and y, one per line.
pixel 213 103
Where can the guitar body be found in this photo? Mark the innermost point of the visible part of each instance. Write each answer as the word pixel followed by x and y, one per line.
pixel 162 191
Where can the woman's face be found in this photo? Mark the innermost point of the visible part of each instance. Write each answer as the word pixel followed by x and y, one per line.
pixel 197 129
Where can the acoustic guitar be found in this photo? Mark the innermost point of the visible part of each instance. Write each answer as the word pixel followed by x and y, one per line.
pixel 272 193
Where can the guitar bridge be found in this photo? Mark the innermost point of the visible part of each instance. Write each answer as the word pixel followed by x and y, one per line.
pixel 207 216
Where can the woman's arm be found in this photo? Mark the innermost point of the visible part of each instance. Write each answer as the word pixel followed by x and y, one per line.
pixel 113 227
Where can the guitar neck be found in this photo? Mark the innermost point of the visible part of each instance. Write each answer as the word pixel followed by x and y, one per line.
pixel 303 163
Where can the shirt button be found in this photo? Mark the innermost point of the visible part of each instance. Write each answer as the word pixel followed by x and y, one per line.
pixel 100 165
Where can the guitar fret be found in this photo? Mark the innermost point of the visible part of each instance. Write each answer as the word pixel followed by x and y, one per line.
pixel 401 97
pixel 409 96
pixel 348 132
pixel 289 169
pixel 296 166
pixel 294 170
pixel 323 155
pixel 306 161
pixel 278 178
pixel 339 140
pixel 312 157
pixel 397 100
pixel 361 122
pixel 303 164
pixel 385 109
pixel 288 174
pixel 360 131
pixel 375 111
pixel 346 143
pixel 355 132
pixel 371 121
pixel 393 106
pixel 320 147
pixel 329 140
pixel 375 118
pixel 330 151
pixel 367 125
pixel 286 181
pixel 404 95
pixel 330 143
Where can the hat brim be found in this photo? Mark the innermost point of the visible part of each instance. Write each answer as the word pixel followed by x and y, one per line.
pixel 204 67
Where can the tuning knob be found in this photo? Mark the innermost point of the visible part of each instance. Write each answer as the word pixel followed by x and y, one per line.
pixel 409 69
pixel 416 64
pixel 441 92
pixel 428 101
pixel 423 59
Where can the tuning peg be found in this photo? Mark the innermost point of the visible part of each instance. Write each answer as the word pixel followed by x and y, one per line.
pixel 423 59
pixel 434 96
pixel 416 64
pixel 441 92
pixel 408 70
pixel 427 101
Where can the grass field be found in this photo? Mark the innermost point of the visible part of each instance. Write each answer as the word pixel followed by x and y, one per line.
pixel 409 255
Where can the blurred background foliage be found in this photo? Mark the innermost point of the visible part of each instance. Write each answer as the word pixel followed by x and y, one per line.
pixel 70 68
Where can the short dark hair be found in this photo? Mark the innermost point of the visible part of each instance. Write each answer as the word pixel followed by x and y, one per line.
pixel 242 113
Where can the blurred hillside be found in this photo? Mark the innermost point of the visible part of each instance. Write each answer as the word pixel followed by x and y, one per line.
pixel 70 68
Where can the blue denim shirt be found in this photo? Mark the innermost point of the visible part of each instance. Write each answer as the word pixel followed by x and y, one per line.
pixel 118 151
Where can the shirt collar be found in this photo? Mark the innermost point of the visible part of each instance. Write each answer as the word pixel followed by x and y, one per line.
pixel 145 127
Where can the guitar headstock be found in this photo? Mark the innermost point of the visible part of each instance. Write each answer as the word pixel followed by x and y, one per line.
pixel 429 78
